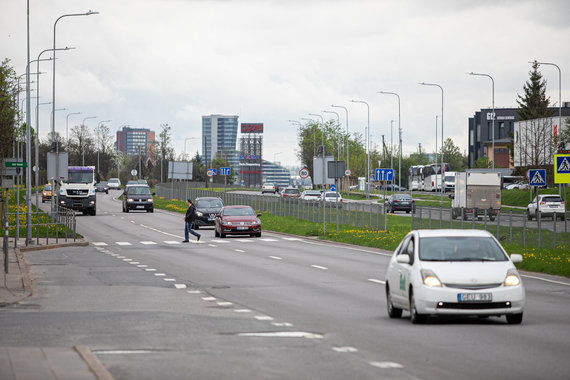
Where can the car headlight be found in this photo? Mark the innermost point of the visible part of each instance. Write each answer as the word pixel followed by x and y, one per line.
pixel 149 200
pixel 512 278
pixel 429 278
pixel 130 200
pixel 199 213
pixel 257 221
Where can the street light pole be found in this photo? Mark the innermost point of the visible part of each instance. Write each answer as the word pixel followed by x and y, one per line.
pixel 400 140
pixel 82 143
pixel 99 145
pixel 323 165
pixel 367 148
pixel 492 116
pixel 67 126
pixel 347 140
pixel 442 168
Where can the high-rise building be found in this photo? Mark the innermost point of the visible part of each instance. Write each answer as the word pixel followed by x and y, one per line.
pixel 135 141
pixel 219 137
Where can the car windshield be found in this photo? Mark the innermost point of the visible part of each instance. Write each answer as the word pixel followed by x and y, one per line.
pixel 552 199
pixel 402 197
pixel 449 178
pixel 241 211
pixel 113 180
pixel 209 203
pixel 291 191
pixel 332 195
pixel 139 190
pixel 102 184
pixel 47 187
pixel 313 193
pixel 460 249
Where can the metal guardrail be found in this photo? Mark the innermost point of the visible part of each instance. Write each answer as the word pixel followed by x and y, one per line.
pixel 373 216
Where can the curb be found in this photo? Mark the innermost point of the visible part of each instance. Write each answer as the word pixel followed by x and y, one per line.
pixel 93 362
pixel 51 246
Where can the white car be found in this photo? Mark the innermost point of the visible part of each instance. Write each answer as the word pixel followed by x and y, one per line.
pixel 453 272
pixel 311 195
pixel 268 188
pixel 547 205
pixel 114 183
pixel 331 198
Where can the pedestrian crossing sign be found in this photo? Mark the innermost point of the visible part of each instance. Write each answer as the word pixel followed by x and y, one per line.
pixel 537 177
pixel 562 168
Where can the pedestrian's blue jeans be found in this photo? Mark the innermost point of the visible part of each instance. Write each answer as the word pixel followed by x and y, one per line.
pixel 188 228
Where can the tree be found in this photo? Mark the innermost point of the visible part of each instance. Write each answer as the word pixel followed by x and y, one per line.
pixel 536 134
pixel 164 150
pixel 81 146
pixel 452 155
pixel 482 163
pixel 8 110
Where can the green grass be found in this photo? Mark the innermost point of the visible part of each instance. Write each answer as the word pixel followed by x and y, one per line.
pixel 546 260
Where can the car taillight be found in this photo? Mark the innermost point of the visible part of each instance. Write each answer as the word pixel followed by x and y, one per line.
pixel 396 201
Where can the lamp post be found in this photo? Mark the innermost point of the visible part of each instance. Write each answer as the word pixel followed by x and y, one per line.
pixel 53 71
pixel 82 143
pixel 436 116
pixel 347 140
pixel 323 172
pixel 37 171
pixel 367 148
pixel 67 126
pixel 492 116
pixel 442 168
pixel 400 140
pixel 392 144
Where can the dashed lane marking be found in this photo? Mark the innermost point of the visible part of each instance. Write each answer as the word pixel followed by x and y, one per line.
pixel 172 242
pixel 377 281
pixel 148 242
pixel 292 239
pixel 239 250
pixel 276 258
pixel 263 318
pixel 169 279
pixel 386 365
pixel 150 270
pixel 319 267
pixel 123 243
pixel 99 243
pixel 345 349
pixel 208 298
pixel 160 274
pixel 242 311
pixel 180 286
pixel 268 239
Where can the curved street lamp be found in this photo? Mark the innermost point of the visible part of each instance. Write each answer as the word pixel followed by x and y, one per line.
pixel 492 116
pixel 83 150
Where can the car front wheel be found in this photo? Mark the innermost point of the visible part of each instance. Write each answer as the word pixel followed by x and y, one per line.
pixel 528 215
pixel 415 317
pixel 393 312
pixel 514 319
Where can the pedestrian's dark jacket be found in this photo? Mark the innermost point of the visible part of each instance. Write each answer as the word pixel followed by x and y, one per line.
pixel 190 213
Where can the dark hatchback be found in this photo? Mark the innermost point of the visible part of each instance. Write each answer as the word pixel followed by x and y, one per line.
pixel 138 197
pixel 400 202
pixel 102 187
pixel 207 209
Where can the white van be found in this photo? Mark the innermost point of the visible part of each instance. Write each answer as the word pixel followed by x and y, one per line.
pixel 114 183
pixel 449 181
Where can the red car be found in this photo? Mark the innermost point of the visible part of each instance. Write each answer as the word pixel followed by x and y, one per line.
pixel 237 220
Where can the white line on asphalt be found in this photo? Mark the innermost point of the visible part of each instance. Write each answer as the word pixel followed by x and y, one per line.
pixel 276 257
pixel 242 311
pixel 123 243
pixel 263 318
pixel 142 266
pixel 150 270
pixel 169 279
pixel 99 243
pixel 545 279
pixel 127 260
pixel 134 262
pixel 160 274
pixel 180 286
pixel 172 242
pixel 376 281
pixel 208 298
pixel 148 242
pixel 219 241
pixel 225 304
pixel 348 248
pixel 244 240
pixel 291 238
pixel 285 334
pixel 119 257
pixel 386 365
pixel 212 245
pixel 239 250
pixel 268 239
pixel 345 349
pixel 193 291
pixel 132 221
pixel 282 324
pixel 162 232
pixel 319 267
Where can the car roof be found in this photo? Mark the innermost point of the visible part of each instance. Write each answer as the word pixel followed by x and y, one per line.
pixel 238 206
pixel 208 198
pixel 453 233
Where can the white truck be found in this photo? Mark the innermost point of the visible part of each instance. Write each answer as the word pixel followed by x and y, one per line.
pixel 77 192
pixel 476 193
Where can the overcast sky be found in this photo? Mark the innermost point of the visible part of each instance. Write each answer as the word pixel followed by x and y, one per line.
pixel 149 62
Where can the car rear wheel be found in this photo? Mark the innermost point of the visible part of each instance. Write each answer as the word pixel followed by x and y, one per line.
pixel 528 215
pixel 393 312
pixel 415 317
pixel 514 319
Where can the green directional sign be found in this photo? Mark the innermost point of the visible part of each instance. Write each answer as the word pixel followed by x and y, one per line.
pixel 12 164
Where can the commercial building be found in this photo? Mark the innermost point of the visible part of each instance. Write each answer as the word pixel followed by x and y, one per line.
pixel 275 173
pixel 135 141
pixel 219 137
pixel 481 134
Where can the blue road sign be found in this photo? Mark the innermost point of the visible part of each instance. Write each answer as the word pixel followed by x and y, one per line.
pixel 332 188
pixel 214 171
pixel 226 171
pixel 384 174
pixel 537 177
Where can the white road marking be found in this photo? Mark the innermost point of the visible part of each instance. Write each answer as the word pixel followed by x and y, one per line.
pixel 180 286
pixel 119 257
pixel 244 240
pixel 263 318
pixel 239 250
pixel 142 266
pixel 150 270
pixel 319 267
pixel 242 311
pixel 545 279
pixel 197 242
pixel 148 242
pixel 219 241
pixel 282 324
pixel 172 242
pixel 284 334
pixel 276 257
pixel 347 247
pixel 134 262
pixel 291 238
pixel 127 260
pixel 162 232
pixel 345 349
pixel 123 243
pixel 212 245
pixel 132 221
pixel 194 291
pixel 208 298
pixel 267 239
pixel 376 281
pixel 169 279
pixel 100 243
pixel 386 365
pixel 225 304
pixel 160 274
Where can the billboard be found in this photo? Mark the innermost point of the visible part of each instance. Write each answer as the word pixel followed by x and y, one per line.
pixel 250 160
pixel 251 127
pixel 180 170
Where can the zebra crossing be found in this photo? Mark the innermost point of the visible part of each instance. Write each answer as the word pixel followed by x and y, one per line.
pixel 203 241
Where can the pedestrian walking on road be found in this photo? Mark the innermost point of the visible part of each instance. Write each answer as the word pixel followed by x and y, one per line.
pixel 188 220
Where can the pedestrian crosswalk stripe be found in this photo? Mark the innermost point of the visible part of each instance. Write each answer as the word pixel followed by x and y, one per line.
pixel 219 241
pixel 266 239
pixel 123 243
pixel 171 242
pixel 99 243
pixel 148 242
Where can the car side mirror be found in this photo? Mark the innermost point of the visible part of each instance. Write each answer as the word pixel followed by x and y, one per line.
pixel 516 258
pixel 403 259
pixel 153 193
pixel 258 214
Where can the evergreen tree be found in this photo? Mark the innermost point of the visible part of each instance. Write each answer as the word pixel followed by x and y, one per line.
pixel 534 104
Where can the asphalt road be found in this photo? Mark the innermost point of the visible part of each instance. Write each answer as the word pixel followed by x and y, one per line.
pixel 275 307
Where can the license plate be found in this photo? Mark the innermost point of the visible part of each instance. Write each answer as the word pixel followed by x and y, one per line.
pixel 140 206
pixel 475 297
pixel 242 228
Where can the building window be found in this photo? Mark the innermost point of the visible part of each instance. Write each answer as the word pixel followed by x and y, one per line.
pixel 489 130
pixel 501 129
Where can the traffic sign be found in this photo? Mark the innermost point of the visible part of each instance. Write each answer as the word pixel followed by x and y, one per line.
pixel 304 173
pixel 384 174
pixel 332 188
pixel 214 171
pixel 210 173
pixel 134 172
pixel 226 171
pixel 347 172
pixel 537 177
pixel 562 168
pixel 15 164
